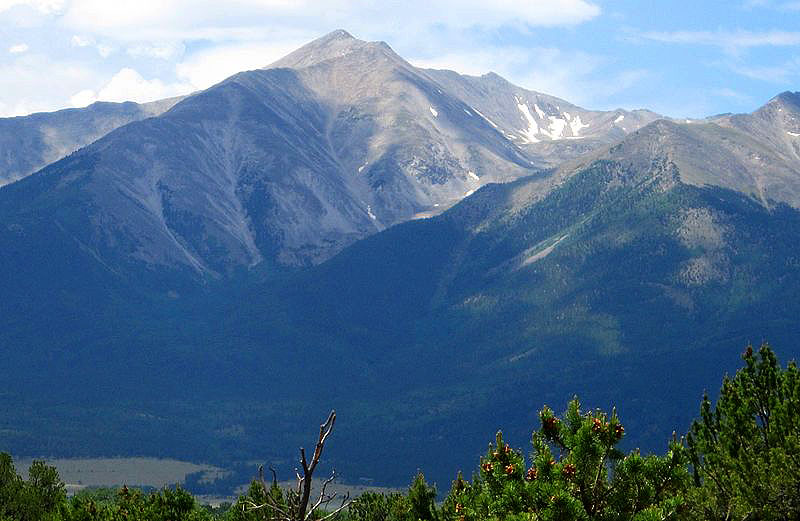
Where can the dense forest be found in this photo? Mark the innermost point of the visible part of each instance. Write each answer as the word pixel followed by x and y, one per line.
pixel 740 460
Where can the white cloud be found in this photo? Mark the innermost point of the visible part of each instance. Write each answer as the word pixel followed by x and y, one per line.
pixel 129 85
pixel 211 19
pixel 42 6
pixel 731 41
pixel 152 48
pixel 480 13
pixel 206 68
pixel 793 5
pixel 18 48
pixel 81 41
pixel 568 75
pixel 161 51
pixel 23 90
pixel 104 50
pixel 727 92
pixel 784 73
pixel 83 98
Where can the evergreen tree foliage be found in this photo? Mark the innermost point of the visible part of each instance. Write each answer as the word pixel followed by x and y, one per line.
pixel 243 509
pixel 133 505
pixel 371 505
pixel 745 449
pixel 38 498
pixel 421 500
pixel 576 473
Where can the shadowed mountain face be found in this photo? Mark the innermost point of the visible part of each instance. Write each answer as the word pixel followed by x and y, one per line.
pixel 628 287
pixel 31 142
pixel 208 283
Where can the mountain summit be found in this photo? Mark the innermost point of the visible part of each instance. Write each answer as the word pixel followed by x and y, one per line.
pixel 334 45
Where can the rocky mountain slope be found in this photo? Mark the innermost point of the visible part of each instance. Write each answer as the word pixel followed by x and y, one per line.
pixel 208 283
pixel 624 285
pixel 289 164
pixel 621 283
pixel 756 154
pixel 548 129
pixel 28 143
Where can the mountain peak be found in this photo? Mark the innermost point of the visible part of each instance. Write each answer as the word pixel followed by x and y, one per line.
pixel 786 99
pixel 783 110
pixel 338 34
pixel 333 45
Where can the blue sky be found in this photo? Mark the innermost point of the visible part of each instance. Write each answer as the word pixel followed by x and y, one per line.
pixel 679 58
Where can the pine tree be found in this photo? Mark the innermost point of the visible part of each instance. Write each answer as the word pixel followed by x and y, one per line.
pixel 577 473
pixel 745 450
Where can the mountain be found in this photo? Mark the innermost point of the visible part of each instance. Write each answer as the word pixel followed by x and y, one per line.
pixel 548 129
pixel 275 166
pixel 208 283
pixel 623 282
pixel 291 163
pixel 757 154
pixel 28 143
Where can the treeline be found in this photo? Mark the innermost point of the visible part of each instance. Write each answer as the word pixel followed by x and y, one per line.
pixel 739 461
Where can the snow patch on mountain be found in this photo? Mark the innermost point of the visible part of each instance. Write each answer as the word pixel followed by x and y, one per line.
pixel 556 128
pixel 541 253
pixel 576 125
pixel 492 123
pixel 533 128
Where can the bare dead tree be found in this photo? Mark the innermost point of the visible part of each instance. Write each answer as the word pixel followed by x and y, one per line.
pixel 296 506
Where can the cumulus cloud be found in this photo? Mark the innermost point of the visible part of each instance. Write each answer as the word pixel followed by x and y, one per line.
pixel 206 68
pixel 129 85
pixel 18 48
pixel 23 91
pixel 83 98
pixel 103 49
